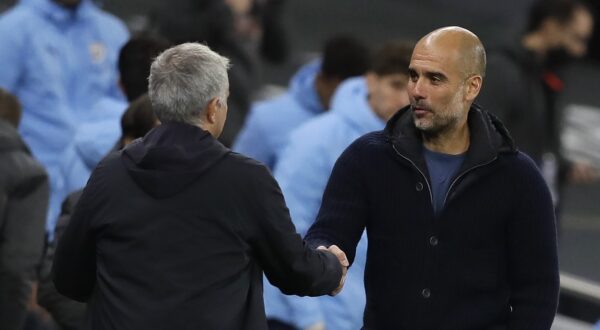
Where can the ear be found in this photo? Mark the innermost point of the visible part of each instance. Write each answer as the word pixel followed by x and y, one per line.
pixel 210 115
pixel 473 86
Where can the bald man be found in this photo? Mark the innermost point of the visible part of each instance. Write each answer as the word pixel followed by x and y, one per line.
pixel 460 223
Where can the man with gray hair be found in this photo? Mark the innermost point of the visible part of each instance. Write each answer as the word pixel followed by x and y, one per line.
pixel 174 232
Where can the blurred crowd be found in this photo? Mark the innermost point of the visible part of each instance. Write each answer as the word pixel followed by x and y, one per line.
pixel 73 88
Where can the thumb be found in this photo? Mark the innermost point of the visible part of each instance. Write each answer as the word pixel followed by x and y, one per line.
pixel 340 255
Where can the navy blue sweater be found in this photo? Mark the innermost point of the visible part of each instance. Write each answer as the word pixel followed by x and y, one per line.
pixel 488 260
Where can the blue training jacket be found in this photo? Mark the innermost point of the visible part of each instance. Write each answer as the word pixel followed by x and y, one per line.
pixel 303 171
pixel 59 62
pixel 268 124
pixel 98 136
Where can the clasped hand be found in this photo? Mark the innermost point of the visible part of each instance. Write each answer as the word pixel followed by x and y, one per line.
pixel 343 261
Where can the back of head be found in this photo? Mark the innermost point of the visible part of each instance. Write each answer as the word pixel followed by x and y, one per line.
pixel 10 108
pixel 391 58
pixel 344 57
pixel 184 79
pixel 138 119
pixel 135 59
pixel 560 10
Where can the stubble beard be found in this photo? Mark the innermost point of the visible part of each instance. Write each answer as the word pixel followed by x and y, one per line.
pixel 440 122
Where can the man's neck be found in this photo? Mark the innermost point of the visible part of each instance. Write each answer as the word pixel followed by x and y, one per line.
pixel 451 142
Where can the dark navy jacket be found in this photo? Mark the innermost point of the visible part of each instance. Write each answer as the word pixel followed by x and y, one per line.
pixel 174 232
pixel 487 261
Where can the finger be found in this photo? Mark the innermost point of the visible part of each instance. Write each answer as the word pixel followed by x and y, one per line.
pixel 340 287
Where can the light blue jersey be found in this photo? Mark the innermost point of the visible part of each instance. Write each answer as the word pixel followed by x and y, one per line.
pixel 269 123
pixel 98 136
pixel 302 171
pixel 59 63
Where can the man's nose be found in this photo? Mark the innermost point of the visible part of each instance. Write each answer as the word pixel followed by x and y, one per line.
pixel 417 91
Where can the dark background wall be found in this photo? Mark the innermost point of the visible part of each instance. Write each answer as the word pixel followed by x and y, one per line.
pixel 310 22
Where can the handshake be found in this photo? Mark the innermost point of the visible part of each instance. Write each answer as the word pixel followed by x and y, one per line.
pixel 343 261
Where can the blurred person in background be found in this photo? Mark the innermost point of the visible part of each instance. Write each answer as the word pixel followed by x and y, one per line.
pixel 59 57
pixel 269 122
pixel 138 119
pixel 359 106
pixel 98 136
pixel 242 30
pixel 258 24
pixel 24 193
pixel 460 223
pixel 594 45
pixel 523 83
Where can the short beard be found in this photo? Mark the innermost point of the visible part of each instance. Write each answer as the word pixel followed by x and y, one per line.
pixel 449 121
pixel 435 131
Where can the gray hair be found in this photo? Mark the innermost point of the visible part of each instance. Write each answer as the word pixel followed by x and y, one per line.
pixel 183 79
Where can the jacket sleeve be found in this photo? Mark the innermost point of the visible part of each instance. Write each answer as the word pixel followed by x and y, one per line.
pixel 288 263
pixel 302 178
pixel 12 43
pixel 22 221
pixel 343 214
pixel 69 314
pixel 532 254
pixel 302 173
pixel 74 268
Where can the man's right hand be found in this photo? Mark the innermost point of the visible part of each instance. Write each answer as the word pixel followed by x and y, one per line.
pixel 343 261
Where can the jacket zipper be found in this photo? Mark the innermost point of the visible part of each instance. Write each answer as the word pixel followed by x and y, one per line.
pixel 453 182
pixel 465 173
pixel 418 169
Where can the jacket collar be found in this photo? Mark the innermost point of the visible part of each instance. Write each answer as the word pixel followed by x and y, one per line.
pixel 488 135
pixel 171 157
pixel 350 102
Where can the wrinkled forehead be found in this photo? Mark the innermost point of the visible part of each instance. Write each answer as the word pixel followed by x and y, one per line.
pixel 442 57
